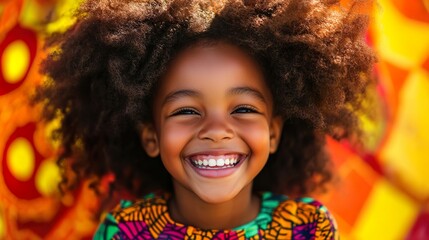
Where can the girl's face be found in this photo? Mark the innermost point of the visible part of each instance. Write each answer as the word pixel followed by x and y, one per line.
pixel 213 122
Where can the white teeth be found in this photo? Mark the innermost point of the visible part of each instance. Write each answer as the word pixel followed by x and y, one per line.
pixel 220 162
pixel 212 162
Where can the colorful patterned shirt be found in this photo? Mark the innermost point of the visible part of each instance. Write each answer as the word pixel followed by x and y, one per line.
pixel 279 218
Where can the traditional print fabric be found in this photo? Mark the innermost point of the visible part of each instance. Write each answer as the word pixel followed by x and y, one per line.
pixel 279 218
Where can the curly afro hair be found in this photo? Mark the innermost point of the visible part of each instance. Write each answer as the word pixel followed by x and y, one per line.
pixel 102 73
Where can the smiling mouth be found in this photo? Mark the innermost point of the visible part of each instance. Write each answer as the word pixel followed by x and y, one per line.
pixel 211 162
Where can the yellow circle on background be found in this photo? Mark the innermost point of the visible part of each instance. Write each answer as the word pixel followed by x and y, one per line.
pixel 15 61
pixel 47 177
pixel 20 159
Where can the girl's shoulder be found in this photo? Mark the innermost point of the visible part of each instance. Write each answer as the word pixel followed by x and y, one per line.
pixel 299 218
pixel 279 217
pixel 281 204
pixel 131 218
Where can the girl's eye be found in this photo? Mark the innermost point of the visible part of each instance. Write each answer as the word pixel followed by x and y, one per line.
pixel 185 111
pixel 245 109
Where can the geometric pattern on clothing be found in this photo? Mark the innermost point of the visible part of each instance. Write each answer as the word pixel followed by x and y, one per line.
pixel 279 218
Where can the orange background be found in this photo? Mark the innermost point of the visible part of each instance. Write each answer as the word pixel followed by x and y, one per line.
pixel 382 193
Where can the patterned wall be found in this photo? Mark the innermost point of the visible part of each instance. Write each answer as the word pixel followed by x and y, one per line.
pixel 380 194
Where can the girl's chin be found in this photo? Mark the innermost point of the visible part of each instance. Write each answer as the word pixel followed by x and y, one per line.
pixel 216 198
pixel 218 195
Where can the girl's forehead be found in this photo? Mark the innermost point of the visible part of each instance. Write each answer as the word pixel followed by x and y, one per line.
pixel 219 60
pixel 212 53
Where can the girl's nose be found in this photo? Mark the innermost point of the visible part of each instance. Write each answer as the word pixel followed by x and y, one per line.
pixel 216 129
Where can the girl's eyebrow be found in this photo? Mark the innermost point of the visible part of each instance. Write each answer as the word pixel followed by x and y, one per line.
pixel 233 91
pixel 180 93
pixel 247 90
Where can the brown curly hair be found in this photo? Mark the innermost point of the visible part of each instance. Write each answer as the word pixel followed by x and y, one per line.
pixel 104 69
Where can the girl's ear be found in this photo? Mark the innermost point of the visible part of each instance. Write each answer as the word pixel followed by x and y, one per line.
pixel 276 128
pixel 149 139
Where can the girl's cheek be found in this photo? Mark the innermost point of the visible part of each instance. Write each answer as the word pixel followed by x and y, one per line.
pixel 175 135
pixel 256 133
pixel 259 126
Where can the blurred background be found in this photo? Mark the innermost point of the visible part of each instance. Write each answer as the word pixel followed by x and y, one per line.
pixel 379 193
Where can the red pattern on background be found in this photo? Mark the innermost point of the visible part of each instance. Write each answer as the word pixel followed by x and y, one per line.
pixel 22 189
pixel 30 39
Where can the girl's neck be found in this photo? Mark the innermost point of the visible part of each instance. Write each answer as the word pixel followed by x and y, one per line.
pixel 187 208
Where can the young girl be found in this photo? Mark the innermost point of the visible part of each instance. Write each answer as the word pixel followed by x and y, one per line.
pixel 214 112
